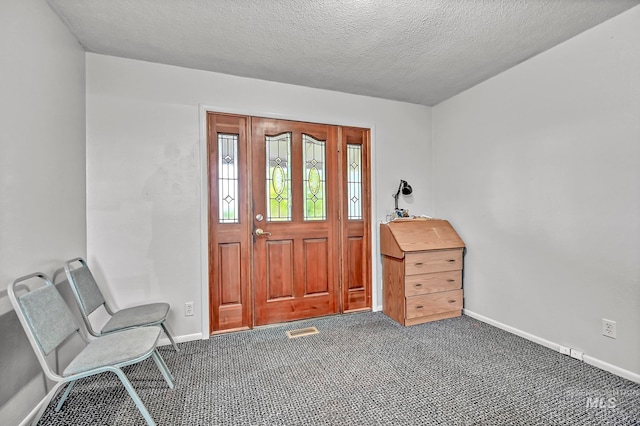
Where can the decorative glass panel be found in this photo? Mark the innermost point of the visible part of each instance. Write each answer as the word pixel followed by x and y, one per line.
pixel 354 181
pixel 278 177
pixel 228 178
pixel 314 178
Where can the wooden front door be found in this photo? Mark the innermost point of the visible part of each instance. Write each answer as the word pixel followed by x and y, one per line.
pixel 289 221
pixel 295 194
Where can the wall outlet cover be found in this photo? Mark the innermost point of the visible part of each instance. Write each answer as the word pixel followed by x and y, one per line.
pixel 608 328
pixel 188 309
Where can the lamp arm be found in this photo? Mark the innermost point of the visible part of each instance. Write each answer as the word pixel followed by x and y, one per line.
pixel 397 194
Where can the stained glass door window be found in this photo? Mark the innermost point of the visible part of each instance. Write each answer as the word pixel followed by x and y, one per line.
pixel 278 179
pixel 313 163
pixel 354 181
pixel 227 178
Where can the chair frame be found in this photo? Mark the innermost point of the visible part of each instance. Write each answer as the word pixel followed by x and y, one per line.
pixel 110 311
pixel 72 378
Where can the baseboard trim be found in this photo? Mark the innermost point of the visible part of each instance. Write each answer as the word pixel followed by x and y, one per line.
pixel 164 341
pixel 539 340
pixel 621 372
pixel 613 369
pixel 32 414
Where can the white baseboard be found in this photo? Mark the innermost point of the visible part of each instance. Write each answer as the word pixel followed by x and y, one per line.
pixel 164 341
pixel 539 340
pixel 31 416
pixel 33 388
pixel 613 369
pixel 621 372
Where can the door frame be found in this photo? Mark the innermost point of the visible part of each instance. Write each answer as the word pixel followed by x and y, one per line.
pixel 376 302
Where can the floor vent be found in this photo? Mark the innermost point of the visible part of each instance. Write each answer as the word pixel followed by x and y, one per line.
pixel 302 332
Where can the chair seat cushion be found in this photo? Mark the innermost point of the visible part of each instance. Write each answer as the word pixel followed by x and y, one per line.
pixel 115 349
pixel 151 314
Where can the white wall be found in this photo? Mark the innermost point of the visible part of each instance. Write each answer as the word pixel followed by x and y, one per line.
pixel 539 170
pixel 42 174
pixel 144 168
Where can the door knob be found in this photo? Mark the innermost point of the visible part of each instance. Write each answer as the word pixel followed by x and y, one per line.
pixel 260 231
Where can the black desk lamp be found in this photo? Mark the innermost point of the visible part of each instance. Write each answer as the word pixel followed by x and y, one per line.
pixel 406 190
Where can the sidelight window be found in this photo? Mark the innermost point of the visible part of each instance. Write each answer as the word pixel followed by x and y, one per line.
pixel 228 178
pixel 354 181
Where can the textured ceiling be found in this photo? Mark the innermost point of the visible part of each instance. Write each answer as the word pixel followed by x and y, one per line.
pixel 419 51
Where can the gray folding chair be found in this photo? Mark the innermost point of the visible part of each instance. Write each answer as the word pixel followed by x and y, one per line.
pixel 90 298
pixel 48 322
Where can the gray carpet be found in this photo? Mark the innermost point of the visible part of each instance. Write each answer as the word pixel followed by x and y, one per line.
pixel 361 369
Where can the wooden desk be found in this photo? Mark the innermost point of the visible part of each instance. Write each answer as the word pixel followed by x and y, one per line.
pixel 421 270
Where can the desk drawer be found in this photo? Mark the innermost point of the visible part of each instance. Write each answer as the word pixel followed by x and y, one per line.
pixel 432 283
pixel 423 262
pixel 434 303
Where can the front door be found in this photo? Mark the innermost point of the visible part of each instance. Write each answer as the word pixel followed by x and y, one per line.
pixel 288 221
pixel 295 218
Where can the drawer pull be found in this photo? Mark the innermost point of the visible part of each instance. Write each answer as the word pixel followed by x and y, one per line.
pixel 418 263
pixel 452 301
pixel 419 306
pixel 418 285
pixel 451 260
pixel 450 280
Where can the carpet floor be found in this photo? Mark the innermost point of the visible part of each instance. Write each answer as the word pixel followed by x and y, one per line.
pixel 360 369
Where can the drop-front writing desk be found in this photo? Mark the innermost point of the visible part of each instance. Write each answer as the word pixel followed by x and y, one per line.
pixel 421 270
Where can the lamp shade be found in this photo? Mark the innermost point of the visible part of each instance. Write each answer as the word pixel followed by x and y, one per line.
pixel 405 188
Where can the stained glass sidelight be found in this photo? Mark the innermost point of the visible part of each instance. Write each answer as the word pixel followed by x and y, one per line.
pixel 354 181
pixel 228 178
pixel 278 168
pixel 313 162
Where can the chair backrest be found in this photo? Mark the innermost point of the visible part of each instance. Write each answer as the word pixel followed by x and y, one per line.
pixel 84 287
pixel 44 312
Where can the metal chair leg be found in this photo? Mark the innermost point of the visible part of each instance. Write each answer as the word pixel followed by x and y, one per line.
pixel 162 367
pixel 134 395
pixel 65 395
pixel 164 364
pixel 164 327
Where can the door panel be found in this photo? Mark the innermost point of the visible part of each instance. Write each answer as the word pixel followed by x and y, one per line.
pixel 279 277
pixel 354 263
pixel 294 187
pixel 229 266
pixel 316 276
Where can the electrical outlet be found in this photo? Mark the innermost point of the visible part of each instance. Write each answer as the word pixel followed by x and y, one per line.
pixel 188 309
pixel 565 350
pixel 608 328
pixel 576 354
